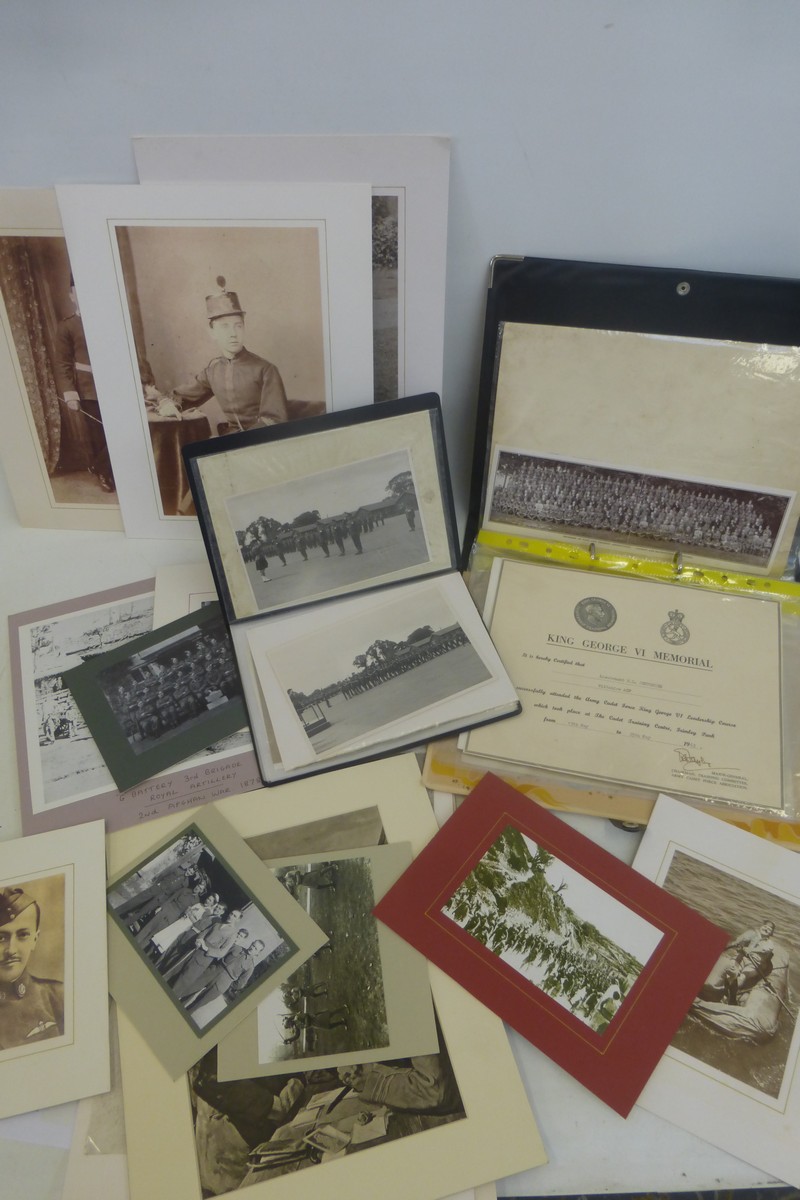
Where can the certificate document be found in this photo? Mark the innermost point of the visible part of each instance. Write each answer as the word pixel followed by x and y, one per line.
pixel 641 683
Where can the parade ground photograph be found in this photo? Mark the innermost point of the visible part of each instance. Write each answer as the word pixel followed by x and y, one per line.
pixel 198 930
pixel 329 532
pixel 718 520
pixel 157 700
pixel 743 1024
pixel 364 995
pixel 384 666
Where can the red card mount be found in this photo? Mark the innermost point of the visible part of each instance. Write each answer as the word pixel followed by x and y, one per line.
pixel 587 959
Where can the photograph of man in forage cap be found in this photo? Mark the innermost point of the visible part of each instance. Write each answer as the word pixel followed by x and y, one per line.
pixel 31 1005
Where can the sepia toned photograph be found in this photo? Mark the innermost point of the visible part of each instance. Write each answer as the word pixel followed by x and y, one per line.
pixel 364 995
pixel 54 1044
pixel 743 1023
pixel 253 1130
pixel 717 520
pixel 555 927
pixel 197 928
pixel 159 699
pixel 330 532
pixel 217 309
pixel 385 664
pixel 224 321
pixel 32 951
pixel 61 473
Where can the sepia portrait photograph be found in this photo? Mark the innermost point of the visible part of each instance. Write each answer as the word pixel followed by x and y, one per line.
pixel 54 1043
pixel 213 313
pixel 364 995
pixel 555 927
pixel 60 470
pixel 155 701
pixel 743 1023
pixel 351 679
pixel 586 500
pixel 32 951
pixel 197 929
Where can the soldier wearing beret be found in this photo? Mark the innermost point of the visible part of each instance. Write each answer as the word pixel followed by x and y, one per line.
pixel 31 1009
pixel 249 389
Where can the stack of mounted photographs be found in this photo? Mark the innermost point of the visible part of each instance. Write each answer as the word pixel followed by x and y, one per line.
pixel 333 549
pixel 359 1056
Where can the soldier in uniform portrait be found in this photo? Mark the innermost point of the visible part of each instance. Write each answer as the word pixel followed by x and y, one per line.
pixel 76 384
pixel 31 1008
pixel 249 389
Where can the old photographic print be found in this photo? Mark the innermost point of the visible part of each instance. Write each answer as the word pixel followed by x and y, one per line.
pixel 43 322
pixel 584 499
pixel 200 932
pixel 162 698
pixel 336 1001
pixel 33 1000
pixel 555 927
pixel 64 760
pixel 744 1020
pixel 228 328
pixel 394 660
pixel 330 531
pixel 253 1130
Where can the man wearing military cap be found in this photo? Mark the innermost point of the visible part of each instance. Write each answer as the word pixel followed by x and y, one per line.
pixel 249 389
pixel 31 1009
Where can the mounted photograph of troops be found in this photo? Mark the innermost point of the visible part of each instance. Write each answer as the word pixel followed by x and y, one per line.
pixel 717 520
pixel 387 663
pixel 329 532
pixel 197 929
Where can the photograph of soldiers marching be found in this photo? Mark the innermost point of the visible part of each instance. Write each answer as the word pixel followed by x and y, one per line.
pixel 197 928
pixel 329 531
pixel 390 661
pixel 172 686
pixel 723 522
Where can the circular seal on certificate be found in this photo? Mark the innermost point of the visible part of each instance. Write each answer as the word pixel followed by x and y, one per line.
pixel 595 614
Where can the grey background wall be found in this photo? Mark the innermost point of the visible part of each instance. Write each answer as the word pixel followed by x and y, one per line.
pixel 634 131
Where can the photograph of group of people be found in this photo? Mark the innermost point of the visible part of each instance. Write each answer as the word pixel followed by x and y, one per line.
pixel 329 531
pixel 172 685
pixel 719 520
pixel 197 928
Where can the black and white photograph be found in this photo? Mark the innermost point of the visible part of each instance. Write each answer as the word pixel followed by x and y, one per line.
pixel 46 343
pixel 364 995
pixel 161 698
pixel 65 762
pixel 326 508
pixel 330 532
pixel 253 1130
pixel 718 520
pixel 198 929
pixel 381 667
pixel 555 927
pixel 32 953
pixel 743 1023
